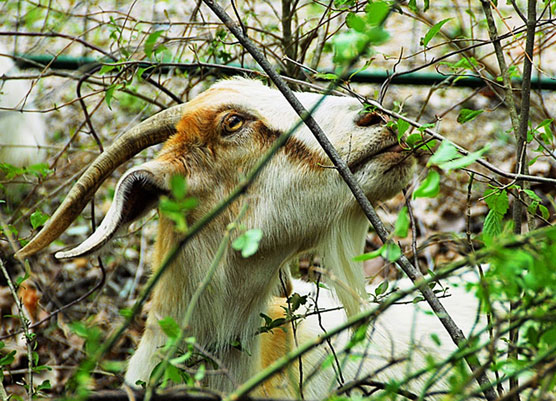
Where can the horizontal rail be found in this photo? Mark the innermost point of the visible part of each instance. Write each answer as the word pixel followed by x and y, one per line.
pixel 369 76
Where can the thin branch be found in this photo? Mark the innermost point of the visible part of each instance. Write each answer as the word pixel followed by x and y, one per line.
pixel 25 324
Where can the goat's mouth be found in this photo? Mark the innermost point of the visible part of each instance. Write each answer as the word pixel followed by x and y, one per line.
pixel 393 154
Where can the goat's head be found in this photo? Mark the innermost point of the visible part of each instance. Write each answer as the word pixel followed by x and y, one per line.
pixel 216 138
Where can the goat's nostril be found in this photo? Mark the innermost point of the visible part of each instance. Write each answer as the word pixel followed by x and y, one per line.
pixel 369 119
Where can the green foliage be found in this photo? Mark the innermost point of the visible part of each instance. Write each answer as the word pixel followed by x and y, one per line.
pixel 177 207
pixel 344 3
pixel 248 242
pixel 498 203
pixel 402 223
pixel 91 334
pixel 175 372
pixel 150 42
pixel 401 126
pixel 38 219
pixel 536 203
pixel 381 288
pixel 270 324
pixel 432 32
pixel 447 157
pixel 218 49
pixel 389 251
pixel 466 115
pixel 364 32
pixel 445 152
pixel 170 328
pixel 430 187
pixel 10 172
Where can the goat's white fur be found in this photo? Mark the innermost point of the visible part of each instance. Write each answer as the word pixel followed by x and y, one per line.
pixel 299 206
pixel 21 134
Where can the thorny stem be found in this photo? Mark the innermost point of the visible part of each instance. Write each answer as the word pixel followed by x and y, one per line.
pixel 415 275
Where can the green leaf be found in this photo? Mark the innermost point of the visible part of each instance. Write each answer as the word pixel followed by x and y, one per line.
pixel 532 208
pixel 376 36
pixel 402 223
pixel 169 327
pixel 40 169
pixel 368 255
pixel 466 115
pixel 327 76
pixel 200 374
pixel 436 339
pixel 544 211
pixel 21 280
pixel 106 68
pixel 11 171
pixel 377 12
pixel 497 200
pixel 38 219
pixel 348 45
pixel 402 126
pixel 80 329
pixel 414 139
pixel 45 385
pixel 430 187
pixel 492 226
pixel 433 31
pixel 296 301
pixel 343 4
pixel 391 252
pixel 445 152
pixel 248 242
pixel 181 359
pixel 382 288
pixel 150 42
pixel 356 22
pixel 532 195
pixel 108 94
pixel 113 366
pixel 126 312
pixel 7 359
pixel 178 186
pixel 463 161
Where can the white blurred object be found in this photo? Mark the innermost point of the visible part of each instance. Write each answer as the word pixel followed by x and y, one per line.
pixel 21 133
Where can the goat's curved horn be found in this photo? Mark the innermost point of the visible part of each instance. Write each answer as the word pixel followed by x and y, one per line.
pixel 152 131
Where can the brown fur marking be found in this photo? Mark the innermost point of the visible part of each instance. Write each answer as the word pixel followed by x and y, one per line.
pixel 296 150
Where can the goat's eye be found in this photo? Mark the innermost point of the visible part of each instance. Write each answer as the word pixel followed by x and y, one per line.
pixel 233 122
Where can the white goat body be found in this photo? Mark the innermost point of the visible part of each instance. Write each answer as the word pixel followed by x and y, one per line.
pixel 21 134
pixel 299 205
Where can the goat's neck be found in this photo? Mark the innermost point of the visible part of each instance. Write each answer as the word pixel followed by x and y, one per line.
pixel 229 309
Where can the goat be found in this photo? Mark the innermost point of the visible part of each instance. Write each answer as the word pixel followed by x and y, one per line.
pixel 298 203
pixel 21 134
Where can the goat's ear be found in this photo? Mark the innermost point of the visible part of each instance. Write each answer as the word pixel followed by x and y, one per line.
pixel 137 192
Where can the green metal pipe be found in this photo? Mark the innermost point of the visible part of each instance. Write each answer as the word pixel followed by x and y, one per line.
pixel 374 76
